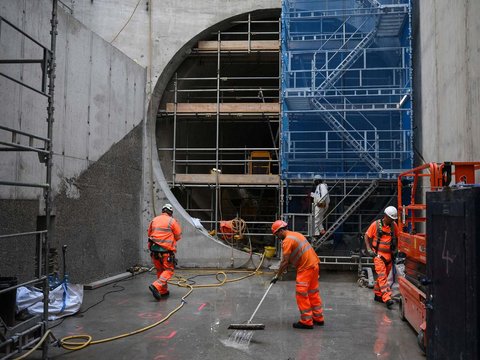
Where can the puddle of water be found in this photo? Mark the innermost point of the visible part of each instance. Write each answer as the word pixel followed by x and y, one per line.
pixel 239 339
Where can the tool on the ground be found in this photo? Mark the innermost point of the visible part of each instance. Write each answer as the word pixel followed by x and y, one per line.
pixel 248 325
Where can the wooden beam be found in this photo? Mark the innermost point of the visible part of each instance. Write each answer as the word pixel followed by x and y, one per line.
pixel 224 108
pixel 239 45
pixel 228 179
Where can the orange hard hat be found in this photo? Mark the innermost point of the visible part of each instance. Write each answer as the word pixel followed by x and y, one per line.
pixel 277 225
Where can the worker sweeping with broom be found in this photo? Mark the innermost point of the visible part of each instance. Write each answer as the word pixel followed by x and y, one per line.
pixel 298 252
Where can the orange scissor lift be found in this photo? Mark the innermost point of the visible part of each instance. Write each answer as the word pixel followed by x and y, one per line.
pixel 412 239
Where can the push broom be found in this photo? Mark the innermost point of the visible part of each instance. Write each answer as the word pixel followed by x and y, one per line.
pixel 248 325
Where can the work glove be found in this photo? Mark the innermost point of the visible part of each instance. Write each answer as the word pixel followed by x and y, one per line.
pixel 274 280
pixel 371 253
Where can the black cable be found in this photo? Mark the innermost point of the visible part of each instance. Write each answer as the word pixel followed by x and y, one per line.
pixel 99 302
pixel 103 298
pixel 59 323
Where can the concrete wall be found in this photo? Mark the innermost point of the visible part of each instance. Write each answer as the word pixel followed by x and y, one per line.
pixel 447 80
pixel 97 143
pixel 159 35
pixel 107 179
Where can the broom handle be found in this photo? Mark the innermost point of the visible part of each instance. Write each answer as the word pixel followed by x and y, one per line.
pixel 260 303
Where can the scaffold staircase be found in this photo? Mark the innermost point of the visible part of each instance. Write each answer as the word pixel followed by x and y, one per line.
pixel 363 152
pixel 330 119
pixel 371 3
pixel 346 63
pixel 344 216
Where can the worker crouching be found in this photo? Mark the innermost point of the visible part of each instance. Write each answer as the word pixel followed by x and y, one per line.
pixel 163 234
pixel 381 244
pixel 297 251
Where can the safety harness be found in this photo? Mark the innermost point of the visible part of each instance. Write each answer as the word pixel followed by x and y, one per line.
pixel 157 250
pixel 393 241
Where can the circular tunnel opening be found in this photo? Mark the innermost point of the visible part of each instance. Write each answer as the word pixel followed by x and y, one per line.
pixel 217 130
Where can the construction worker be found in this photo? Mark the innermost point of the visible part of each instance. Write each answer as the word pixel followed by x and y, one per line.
pixel 321 201
pixel 163 234
pixel 296 250
pixel 381 244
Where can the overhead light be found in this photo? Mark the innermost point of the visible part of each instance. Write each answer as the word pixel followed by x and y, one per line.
pixel 399 105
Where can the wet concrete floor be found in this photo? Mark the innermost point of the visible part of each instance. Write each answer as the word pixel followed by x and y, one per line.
pixel 356 327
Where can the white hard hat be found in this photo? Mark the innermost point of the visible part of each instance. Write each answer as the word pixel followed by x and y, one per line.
pixel 168 207
pixel 391 212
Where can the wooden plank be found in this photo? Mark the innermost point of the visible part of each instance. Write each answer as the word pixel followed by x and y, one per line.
pixel 228 179
pixel 109 280
pixel 224 108
pixel 239 45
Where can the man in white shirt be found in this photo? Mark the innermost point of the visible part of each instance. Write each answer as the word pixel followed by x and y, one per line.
pixel 321 200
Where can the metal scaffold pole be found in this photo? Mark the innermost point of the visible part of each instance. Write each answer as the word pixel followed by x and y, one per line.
pixel 33 332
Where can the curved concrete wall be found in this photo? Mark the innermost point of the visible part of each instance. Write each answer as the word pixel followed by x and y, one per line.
pixel 160 36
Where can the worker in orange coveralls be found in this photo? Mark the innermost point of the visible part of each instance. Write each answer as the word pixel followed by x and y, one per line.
pixel 297 251
pixel 163 234
pixel 381 244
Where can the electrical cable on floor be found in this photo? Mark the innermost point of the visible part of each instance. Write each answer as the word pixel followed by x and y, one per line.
pixel 78 342
pixel 103 298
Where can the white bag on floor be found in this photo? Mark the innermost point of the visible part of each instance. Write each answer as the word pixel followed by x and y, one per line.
pixel 64 300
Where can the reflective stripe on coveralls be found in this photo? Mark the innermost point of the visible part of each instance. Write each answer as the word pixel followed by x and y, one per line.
pixel 165 270
pixel 382 244
pixel 381 287
pixel 301 255
pixel 308 296
pixel 165 232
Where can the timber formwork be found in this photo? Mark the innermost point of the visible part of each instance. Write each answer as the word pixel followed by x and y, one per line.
pixel 31 333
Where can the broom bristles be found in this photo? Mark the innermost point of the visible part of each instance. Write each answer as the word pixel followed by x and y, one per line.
pixel 247 326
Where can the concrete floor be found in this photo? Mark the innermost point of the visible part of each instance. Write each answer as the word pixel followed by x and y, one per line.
pixel 355 326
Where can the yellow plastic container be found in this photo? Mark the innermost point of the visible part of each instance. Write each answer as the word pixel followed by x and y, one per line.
pixel 269 252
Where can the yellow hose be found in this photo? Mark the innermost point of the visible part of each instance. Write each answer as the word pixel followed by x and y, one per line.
pixel 87 340
pixel 37 345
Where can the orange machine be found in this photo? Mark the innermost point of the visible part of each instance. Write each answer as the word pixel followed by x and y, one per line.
pixel 412 186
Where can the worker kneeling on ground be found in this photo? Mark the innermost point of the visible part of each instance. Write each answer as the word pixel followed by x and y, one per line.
pixel 163 234
pixel 296 250
pixel 381 244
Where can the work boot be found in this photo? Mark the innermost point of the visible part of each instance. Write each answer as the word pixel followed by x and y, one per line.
pixel 155 292
pixel 378 298
pixel 390 303
pixel 319 323
pixel 299 325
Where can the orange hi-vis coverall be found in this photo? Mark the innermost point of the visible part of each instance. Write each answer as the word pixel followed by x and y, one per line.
pixel 163 234
pixel 299 253
pixel 382 243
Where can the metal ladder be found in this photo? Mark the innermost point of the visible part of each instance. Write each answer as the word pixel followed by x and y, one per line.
pixel 342 218
pixel 330 119
pixel 371 3
pixel 349 139
pixel 348 61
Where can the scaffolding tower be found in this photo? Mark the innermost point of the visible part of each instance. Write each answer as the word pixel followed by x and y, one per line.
pixel 218 128
pixel 346 99
pixel 17 336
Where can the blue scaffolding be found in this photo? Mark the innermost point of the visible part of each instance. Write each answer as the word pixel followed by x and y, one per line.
pixel 346 89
